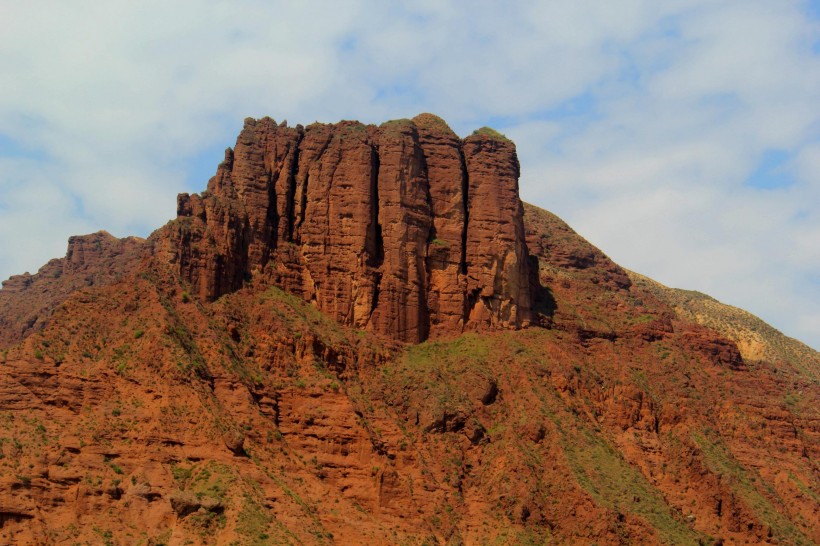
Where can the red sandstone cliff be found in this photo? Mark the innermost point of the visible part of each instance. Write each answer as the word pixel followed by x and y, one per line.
pixel 403 229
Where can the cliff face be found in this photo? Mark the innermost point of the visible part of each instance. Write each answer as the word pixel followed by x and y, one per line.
pixel 402 229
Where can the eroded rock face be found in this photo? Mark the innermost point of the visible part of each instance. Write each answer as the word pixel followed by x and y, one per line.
pixel 97 259
pixel 129 409
pixel 403 229
pixel 497 273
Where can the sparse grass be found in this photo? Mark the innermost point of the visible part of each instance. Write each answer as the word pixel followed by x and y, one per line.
pixel 253 521
pixel 435 371
pixel 747 486
pixel 184 338
pixel 396 124
pixel 299 315
pixel 491 133
pixel 181 473
pixel 432 121
pixel 603 473
pixel 213 480
pixel 106 535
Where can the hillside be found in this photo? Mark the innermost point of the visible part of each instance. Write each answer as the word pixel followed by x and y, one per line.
pixel 441 365
pixel 756 340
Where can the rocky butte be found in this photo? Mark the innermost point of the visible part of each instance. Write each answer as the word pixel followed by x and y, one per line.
pixel 402 229
pixel 358 334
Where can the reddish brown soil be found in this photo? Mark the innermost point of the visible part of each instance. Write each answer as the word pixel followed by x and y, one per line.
pixel 164 394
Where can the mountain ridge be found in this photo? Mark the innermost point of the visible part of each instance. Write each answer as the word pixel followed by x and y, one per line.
pixel 756 340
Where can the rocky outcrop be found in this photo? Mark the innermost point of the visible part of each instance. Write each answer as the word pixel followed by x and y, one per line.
pixel 403 229
pixel 496 251
pixel 98 259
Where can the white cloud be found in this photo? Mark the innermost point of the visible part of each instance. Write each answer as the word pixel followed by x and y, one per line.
pixel 637 121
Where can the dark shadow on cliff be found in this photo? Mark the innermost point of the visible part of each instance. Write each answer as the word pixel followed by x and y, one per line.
pixel 543 302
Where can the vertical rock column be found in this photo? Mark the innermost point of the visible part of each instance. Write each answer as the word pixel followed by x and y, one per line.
pixel 496 252
pixel 406 221
pixel 334 193
pixel 446 293
pixel 209 242
pixel 262 177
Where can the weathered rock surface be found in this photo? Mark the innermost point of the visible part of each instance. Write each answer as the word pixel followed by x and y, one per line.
pixel 402 229
pixel 27 301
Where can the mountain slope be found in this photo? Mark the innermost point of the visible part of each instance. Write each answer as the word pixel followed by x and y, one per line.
pixel 756 340
pixel 142 410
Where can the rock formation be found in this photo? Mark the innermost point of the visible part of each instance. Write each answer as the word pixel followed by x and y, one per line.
pixel 403 229
pixel 27 301
pixel 214 385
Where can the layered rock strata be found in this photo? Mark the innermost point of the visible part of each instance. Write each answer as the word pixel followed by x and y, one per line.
pixel 403 229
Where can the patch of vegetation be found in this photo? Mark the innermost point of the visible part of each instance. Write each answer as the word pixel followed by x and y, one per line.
pixel 469 349
pixel 121 359
pixel 603 473
pixel 805 489
pixel 519 537
pixel 106 535
pixel 298 314
pixel 438 367
pixel 491 133
pixel 253 521
pixel 747 486
pixel 432 121
pixel 211 480
pixel 181 473
pixel 354 131
pixel 183 337
pixel 396 124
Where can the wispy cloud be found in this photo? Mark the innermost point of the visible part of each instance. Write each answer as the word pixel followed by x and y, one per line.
pixel 682 137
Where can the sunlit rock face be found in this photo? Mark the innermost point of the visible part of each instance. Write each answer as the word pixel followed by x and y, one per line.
pixel 403 229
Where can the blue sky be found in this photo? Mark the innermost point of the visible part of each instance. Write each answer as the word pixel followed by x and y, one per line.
pixel 681 137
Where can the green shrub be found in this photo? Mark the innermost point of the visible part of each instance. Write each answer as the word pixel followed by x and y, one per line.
pixel 491 133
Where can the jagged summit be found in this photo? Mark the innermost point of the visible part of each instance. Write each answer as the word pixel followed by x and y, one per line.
pixel 404 229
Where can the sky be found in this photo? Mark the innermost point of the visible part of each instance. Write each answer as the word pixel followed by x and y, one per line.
pixel 680 137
